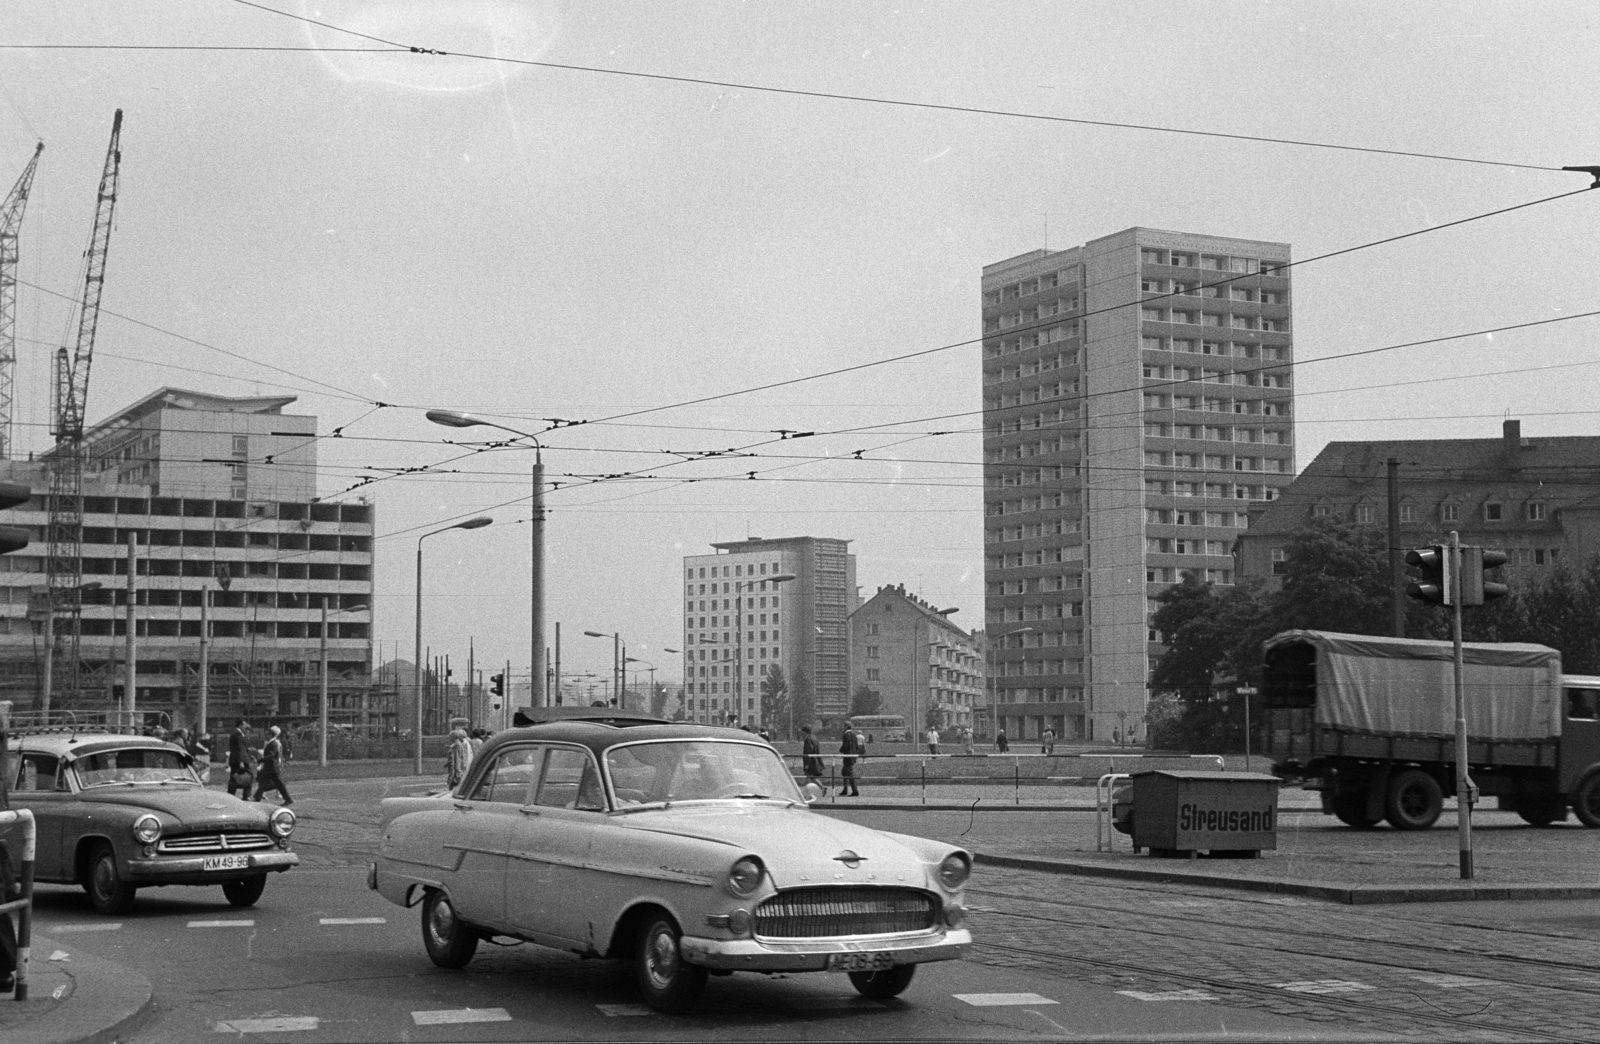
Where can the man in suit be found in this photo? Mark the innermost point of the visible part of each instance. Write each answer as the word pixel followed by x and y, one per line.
pixel 241 767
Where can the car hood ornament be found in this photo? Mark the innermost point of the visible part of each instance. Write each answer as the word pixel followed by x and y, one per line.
pixel 850 859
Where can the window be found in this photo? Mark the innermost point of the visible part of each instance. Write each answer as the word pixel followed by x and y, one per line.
pixel 1319 511
pixel 508 779
pixel 1536 511
pixel 872 652
pixel 1449 513
pixel 1366 514
pixel 1280 561
pixel 570 781
pixel 1493 511
pixel 872 674
pixel 872 628
pixel 1408 513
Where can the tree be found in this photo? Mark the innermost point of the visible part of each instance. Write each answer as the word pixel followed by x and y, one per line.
pixel 1558 610
pixel 865 700
pixel 802 697
pixel 775 700
pixel 934 718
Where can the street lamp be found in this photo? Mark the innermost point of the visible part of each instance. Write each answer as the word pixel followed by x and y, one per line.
pixel 651 692
pixel 471 523
pixel 619 656
pixel 739 588
pixel 322 706
pixel 456 419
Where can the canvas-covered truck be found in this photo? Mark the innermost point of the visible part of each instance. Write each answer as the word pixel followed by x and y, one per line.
pixel 1370 722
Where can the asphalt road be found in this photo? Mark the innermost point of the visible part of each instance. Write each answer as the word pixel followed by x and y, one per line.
pixel 321 958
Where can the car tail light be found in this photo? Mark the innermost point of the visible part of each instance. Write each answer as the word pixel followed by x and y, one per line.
pixel 954 870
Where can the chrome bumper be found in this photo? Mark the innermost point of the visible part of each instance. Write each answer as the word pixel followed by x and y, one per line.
pixel 812 954
pixel 170 866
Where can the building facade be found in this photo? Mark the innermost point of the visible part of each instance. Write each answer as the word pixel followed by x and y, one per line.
pixel 798 625
pixel 219 496
pixel 922 666
pixel 1137 400
pixel 1537 499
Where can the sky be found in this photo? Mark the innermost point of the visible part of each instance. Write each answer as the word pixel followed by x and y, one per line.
pixel 597 239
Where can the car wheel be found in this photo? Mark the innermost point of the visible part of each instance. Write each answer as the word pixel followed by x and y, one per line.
pixel 1586 802
pixel 450 943
pixel 881 985
pixel 1414 801
pixel 669 984
pixel 1351 810
pixel 109 893
pixel 245 891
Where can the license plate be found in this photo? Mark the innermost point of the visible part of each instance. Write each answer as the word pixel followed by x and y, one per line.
pixel 227 862
pixel 848 962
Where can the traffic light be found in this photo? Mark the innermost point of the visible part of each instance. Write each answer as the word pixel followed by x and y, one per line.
pixel 1433 562
pixel 497 684
pixel 13 538
pixel 1474 589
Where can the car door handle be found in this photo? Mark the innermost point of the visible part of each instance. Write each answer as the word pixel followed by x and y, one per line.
pixel 527 811
pixel 462 805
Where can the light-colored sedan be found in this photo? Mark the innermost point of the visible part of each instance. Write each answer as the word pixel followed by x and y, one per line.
pixel 684 848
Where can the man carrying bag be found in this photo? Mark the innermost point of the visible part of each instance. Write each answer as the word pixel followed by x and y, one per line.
pixel 241 765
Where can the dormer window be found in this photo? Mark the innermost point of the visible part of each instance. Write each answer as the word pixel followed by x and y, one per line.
pixel 1536 511
pixel 1449 513
pixel 1493 511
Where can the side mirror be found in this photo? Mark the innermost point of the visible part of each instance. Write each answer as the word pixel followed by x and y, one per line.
pixel 811 793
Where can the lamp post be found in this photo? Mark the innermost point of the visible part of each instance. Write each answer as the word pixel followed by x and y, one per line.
pixel 739 589
pixel 1022 732
pixel 471 523
pixel 322 704
pixel 455 419
pixel 619 656
pixel 683 696
pixel 650 693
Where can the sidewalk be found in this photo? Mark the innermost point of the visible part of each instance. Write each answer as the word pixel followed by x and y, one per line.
pixel 73 998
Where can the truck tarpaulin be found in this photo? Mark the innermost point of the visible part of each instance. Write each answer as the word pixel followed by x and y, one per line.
pixel 1511 691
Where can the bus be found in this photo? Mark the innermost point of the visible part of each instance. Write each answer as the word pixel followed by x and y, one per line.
pixel 882 728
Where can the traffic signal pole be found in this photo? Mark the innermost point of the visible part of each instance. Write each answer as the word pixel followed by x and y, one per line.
pixel 1463 782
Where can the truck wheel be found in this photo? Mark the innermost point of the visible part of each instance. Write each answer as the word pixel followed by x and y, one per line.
pixel 1542 813
pixel 1415 801
pixel 1586 801
pixel 1351 809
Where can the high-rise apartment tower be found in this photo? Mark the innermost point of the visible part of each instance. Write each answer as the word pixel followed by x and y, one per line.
pixel 1137 399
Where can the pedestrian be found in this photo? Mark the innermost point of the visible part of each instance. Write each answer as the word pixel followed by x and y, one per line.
pixel 766 736
pixel 476 739
pixel 458 759
pixel 9 888
pixel 1048 746
pixel 241 764
pixel 932 736
pixel 811 757
pixel 851 749
pixel 966 740
pixel 1001 744
pixel 270 777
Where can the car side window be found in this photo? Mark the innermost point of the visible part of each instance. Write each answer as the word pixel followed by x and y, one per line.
pixel 571 781
pixel 36 772
pixel 511 776
pixel 1583 704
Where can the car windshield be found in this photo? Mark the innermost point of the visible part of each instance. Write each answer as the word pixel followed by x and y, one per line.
pixel 134 765
pixel 697 770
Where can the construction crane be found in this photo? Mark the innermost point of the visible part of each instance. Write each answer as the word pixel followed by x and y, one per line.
pixel 10 224
pixel 64 577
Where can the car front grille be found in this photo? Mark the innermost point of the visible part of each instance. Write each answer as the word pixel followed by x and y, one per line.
pixel 193 843
pixel 817 913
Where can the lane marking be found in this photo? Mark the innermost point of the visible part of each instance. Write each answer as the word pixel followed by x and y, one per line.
pixel 1454 982
pixel 1186 904
pixel 354 920
pixel 277 1024
pixel 452 1016
pixel 64 928
pixel 222 924
pixel 1321 986
pixel 996 1000
pixel 612 1011
pixel 1169 995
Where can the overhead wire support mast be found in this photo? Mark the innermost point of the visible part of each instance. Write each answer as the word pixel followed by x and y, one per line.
pixel 10 225
pixel 64 577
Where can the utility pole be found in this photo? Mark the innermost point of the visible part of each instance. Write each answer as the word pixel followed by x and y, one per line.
pixel 558 663
pixel 537 696
pixel 472 705
pixel 205 657
pixel 1464 788
pixel 131 657
pixel 1397 568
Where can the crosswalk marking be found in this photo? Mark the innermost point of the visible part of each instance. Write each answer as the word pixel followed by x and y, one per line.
pixel 64 928
pixel 612 1011
pixel 1321 986
pixel 1169 995
pixel 275 1024
pixel 1453 982
pixel 353 920
pixel 995 1000
pixel 222 924
pixel 453 1016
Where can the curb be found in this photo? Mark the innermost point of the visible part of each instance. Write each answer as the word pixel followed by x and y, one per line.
pixel 1350 895
pixel 107 1000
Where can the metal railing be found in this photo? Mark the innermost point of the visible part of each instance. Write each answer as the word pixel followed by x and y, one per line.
pixel 23 904
pixel 1103 809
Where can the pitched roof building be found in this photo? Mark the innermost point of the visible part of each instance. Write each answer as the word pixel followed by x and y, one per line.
pixel 922 665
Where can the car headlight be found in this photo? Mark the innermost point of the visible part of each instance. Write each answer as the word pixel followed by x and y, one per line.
pixel 744 877
pixel 282 822
pixel 147 829
pixel 954 870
